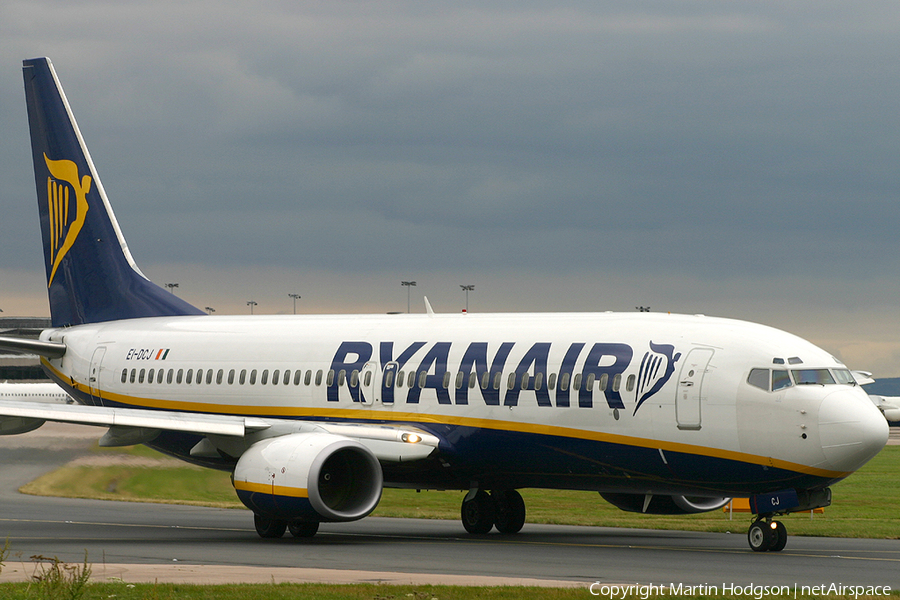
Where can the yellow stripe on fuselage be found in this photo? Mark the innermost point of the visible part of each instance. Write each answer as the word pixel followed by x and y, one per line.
pixel 355 414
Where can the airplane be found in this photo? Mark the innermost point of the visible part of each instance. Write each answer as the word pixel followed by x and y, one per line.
pixel 28 392
pixel 313 415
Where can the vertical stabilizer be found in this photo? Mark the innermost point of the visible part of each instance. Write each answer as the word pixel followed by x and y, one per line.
pixel 91 276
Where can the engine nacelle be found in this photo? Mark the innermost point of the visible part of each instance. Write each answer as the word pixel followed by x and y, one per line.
pixel 309 477
pixel 664 505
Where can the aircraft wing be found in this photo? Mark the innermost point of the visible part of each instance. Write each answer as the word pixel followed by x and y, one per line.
pixel 128 426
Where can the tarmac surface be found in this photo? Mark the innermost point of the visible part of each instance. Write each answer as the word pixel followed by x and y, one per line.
pixel 165 543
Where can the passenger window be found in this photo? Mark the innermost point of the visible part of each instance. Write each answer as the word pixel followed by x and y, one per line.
pixel 219 376
pixel 150 375
pixel 629 384
pixel 159 376
pixel 459 379
pixel 275 375
pixel 538 381
pixel 511 381
pixel 411 379
pixel 400 378
pixel 354 378
pixel 264 377
pixel 551 381
pixel 179 376
pixel 308 377
pixel 780 380
pixel 299 375
pixel 446 381
pixel 589 382
pixel 576 383
pixel 604 381
pixel 141 376
pixel 485 380
pixel 319 377
pixel 286 378
pixel 760 378
pixel 389 379
pixel 498 376
pixel 231 377
pixel 329 380
pixel 525 379
pixel 253 377
pixel 617 382
pixel 243 377
pixel 169 375
pixel 564 382
pixel 133 373
pixel 473 380
pixel 188 377
pixel 422 376
pixel 342 377
pixel 124 375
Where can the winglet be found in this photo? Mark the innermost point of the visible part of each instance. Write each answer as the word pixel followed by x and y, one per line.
pixel 428 310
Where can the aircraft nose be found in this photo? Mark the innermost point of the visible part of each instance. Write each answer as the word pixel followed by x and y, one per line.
pixel 852 430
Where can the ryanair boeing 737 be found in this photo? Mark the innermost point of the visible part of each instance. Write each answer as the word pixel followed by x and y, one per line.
pixel 314 415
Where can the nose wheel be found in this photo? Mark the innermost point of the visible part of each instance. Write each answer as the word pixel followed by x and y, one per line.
pixel 766 535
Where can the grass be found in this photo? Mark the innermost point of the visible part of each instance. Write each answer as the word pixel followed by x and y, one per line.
pixel 864 505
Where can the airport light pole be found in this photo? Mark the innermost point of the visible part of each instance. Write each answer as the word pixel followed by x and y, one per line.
pixel 210 310
pixel 467 289
pixel 295 297
pixel 251 304
pixel 407 285
pixel 172 287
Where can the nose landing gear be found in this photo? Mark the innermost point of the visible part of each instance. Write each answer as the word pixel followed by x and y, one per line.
pixel 766 535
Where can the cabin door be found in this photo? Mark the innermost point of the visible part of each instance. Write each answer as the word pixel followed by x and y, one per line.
pixel 689 396
pixel 369 392
pixel 94 376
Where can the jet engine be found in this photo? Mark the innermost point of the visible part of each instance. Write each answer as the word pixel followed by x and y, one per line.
pixel 309 477
pixel 652 504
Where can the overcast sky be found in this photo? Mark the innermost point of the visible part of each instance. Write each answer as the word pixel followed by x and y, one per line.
pixel 737 159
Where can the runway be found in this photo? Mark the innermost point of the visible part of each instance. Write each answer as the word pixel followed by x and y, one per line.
pixel 168 542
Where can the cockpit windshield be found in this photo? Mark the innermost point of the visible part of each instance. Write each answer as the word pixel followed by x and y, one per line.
pixel 812 377
pixel 773 380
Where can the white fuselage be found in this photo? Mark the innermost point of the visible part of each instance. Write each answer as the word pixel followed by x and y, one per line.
pixel 670 383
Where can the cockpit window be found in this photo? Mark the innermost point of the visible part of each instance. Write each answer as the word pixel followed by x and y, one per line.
pixel 844 376
pixel 759 378
pixel 780 380
pixel 812 377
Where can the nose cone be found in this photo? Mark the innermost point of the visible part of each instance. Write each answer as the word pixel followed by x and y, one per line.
pixel 852 430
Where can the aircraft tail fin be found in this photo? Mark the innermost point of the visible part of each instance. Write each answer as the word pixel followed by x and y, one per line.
pixel 91 275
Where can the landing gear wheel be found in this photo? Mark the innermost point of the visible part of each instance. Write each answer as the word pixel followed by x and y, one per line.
pixel 761 536
pixel 780 537
pixel 303 529
pixel 268 527
pixel 510 511
pixel 478 514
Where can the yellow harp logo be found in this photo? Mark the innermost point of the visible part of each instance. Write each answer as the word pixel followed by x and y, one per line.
pixel 65 224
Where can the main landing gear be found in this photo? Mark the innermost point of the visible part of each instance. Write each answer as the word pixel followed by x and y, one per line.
pixel 503 509
pixel 268 527
pixel 766 535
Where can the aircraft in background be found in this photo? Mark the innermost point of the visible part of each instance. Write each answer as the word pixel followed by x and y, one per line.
pixel 28 392
pixel 314 415
pixel 888 405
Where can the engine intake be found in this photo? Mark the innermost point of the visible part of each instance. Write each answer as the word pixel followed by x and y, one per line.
pixel 309 477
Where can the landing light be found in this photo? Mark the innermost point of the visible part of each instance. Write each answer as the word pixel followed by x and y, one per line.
pixel 773 525
pixel 411 438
